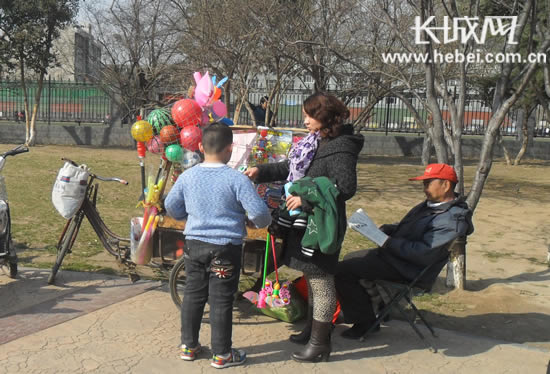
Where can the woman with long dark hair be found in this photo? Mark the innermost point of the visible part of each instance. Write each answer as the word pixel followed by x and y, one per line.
pixel 330 150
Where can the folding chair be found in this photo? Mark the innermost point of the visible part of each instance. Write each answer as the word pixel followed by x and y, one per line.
pixel 397 291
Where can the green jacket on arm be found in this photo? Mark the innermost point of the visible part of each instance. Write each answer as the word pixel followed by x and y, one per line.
pixel 326 225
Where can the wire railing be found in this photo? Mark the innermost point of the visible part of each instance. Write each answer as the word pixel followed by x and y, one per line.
pixel 82 102
pixel 392 115
pixel 60 101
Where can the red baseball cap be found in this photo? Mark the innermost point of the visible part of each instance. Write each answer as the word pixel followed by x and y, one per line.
pixel 438 171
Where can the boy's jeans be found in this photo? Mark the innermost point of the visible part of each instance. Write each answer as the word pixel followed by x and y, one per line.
pixel 212 275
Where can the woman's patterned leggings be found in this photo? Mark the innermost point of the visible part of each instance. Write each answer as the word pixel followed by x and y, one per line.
pixel 322 292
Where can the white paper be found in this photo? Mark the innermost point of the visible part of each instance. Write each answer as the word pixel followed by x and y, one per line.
pixel 361 222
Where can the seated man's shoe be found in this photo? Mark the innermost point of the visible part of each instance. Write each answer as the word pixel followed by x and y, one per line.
pixel 358 330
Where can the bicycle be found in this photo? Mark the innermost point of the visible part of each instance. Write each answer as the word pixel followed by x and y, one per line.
pixel 8 257
pixel 167 241
pixel 116 245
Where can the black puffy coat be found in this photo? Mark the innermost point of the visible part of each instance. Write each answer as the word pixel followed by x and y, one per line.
pixel 422 237
pixel 335 159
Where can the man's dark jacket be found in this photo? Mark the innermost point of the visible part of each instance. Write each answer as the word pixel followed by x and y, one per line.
pixel 422 237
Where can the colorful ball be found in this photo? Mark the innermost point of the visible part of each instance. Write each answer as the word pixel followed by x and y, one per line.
pixel 190 137
pixel 190 159
pixel 174 153
pixel 155 145
pixel 186 112
pixel 169 134
pixel 142 131
pixel 159 118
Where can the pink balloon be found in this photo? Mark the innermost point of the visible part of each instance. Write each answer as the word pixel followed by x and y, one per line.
pixel 190 137
pixel 219 109
pixel 204 90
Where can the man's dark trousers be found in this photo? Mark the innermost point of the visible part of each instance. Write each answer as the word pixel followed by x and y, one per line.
pixel 212 275
pixel 355 301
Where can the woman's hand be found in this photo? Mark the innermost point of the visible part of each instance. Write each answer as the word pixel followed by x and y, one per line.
pixel 252 173
pixel 293 202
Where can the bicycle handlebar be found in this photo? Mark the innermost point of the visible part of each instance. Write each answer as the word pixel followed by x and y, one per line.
pixel 112 179
pixel 17 150
pixel 104 179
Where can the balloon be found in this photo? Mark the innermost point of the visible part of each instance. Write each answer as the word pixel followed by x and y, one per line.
pixel 204 89
pixel 142 131
pixel 159 118
pixel 186 112
pixel 190 159
pixel 197 76
pixel 227 121
pixel 169 134
pixel 174 153
pixel 155 145
pixel 219 109
pixel 221 82
pixel 190 138
pixel 217 94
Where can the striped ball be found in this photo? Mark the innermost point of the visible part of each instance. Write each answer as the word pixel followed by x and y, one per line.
pixel 159 118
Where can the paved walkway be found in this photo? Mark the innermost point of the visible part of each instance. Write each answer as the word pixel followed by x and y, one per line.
pixel 101 324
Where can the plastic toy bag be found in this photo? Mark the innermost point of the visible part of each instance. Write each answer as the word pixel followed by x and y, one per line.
pixel 141 250
pixel 291 312
pixel 69 189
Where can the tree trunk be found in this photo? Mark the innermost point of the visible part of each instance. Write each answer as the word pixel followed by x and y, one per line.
pixel 505 151
pixel 426 149
pixel 528 117
pixel 486 155
pixel 31 140
pixel 436 131
pixel 458 163
pixel 25 98
pixel 456 267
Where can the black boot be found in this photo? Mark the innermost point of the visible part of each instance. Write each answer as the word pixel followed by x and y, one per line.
pixel 358 330
pixel 318 348
pixel 303 337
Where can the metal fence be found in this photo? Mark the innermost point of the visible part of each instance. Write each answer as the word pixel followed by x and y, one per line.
pixel 60 101
pixel 392 115
pixel 76 102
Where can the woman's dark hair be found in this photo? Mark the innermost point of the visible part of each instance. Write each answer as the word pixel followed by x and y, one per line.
pixel 328 110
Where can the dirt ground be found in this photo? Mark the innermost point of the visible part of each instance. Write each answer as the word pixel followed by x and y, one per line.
pixel 507 292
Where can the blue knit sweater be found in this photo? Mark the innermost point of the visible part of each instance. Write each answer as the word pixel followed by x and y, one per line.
pixel 215 200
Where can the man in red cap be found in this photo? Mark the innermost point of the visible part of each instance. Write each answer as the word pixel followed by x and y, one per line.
pixel 420 239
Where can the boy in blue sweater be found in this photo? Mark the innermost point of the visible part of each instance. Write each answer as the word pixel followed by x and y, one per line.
pixel 215 200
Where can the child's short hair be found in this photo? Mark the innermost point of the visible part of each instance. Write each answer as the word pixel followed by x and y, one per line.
pixel 215 137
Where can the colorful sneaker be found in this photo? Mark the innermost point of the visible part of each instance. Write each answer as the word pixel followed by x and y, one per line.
pixel 234 358
pixel 189 354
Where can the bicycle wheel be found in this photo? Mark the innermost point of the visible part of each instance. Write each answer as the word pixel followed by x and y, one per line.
pixel 65 245
pixel 177 282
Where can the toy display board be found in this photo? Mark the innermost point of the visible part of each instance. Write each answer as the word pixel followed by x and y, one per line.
pixel 261 146
pixel 270 146
pixel 243 141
